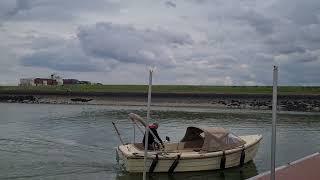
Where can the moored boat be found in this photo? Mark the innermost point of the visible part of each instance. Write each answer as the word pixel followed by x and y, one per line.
pixel 201 149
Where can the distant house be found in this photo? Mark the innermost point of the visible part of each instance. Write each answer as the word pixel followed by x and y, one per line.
pixel 84 82
pixel 70 81
pixel 26 82
pixel 57 78
pixel 45 82
pixel 53 80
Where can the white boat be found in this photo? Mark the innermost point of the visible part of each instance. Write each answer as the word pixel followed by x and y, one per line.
pixel 201 149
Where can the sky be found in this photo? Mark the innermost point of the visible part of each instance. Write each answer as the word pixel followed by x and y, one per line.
pixel 196 42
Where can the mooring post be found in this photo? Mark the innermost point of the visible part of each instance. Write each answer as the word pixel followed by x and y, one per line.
pixel 147 126
pixel 274 122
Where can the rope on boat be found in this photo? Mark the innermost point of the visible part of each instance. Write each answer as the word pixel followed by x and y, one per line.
pixel 115 127
pixel 154 164
pixel 242 157
pixel 223 161
pixel 174 164
pixel 117 156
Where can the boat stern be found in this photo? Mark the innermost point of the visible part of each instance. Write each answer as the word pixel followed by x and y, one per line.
pixel 128 154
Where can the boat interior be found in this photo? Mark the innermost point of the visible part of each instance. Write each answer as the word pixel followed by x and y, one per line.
pixel 190 146
pixel 205 140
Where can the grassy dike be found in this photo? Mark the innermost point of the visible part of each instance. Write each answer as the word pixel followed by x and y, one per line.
pixel 283 90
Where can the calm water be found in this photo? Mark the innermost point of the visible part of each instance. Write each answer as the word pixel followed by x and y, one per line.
pixel 77 142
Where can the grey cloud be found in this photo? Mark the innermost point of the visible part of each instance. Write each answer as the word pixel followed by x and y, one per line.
pixel 170 4
pixel 20 5
pixel 262 24
pixel 43 43
pixel 62 56
pixel 125 43
pixel 285 42
pixel 304 57
pixel 285 32
pixel 299 12
pixel 301 74
pixel 41 14
pixel 197 1
pixel 56 62
pixel 228 59
pixel 48 10
pixel 6 8
pixel 214 62
pixel 228 13
pixel 281 47
pixel 312 32
pixel 293 37
pixel 224 42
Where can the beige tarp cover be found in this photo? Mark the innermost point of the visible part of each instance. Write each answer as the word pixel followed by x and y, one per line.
pixel 211 139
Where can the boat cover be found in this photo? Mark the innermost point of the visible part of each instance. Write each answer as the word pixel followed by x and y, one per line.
pixel 211 139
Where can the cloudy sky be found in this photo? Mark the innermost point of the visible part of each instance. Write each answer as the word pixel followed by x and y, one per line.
pixel 206 42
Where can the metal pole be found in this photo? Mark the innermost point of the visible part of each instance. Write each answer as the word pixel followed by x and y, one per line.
pixel 147 126
pixel 134 132
pixel 274 122
pixel 139 128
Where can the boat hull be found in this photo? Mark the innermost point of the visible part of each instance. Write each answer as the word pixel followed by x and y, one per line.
pixel 194 161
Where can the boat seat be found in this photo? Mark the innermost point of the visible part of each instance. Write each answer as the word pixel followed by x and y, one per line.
pixel 139 146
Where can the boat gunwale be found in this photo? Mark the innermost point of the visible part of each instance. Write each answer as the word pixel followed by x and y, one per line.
pixel 201 156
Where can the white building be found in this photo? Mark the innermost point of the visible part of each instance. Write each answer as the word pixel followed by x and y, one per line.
pixel 27 82
pixel 59 81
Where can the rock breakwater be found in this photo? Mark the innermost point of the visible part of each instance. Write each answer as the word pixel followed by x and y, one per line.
pixel 304 103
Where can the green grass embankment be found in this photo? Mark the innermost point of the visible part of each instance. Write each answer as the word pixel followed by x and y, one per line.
pixel 284 90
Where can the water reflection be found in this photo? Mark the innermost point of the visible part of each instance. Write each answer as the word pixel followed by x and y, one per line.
pixel 237 173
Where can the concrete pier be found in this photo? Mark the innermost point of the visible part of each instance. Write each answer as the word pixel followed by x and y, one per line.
pixel 305 168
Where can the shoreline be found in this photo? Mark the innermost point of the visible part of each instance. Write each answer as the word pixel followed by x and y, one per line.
pixel 302 103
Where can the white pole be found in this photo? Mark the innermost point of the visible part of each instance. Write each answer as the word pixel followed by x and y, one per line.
pixel 147 126
pixel 274 122
pixel 134 132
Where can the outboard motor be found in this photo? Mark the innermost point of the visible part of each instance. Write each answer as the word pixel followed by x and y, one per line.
pixel 167 138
